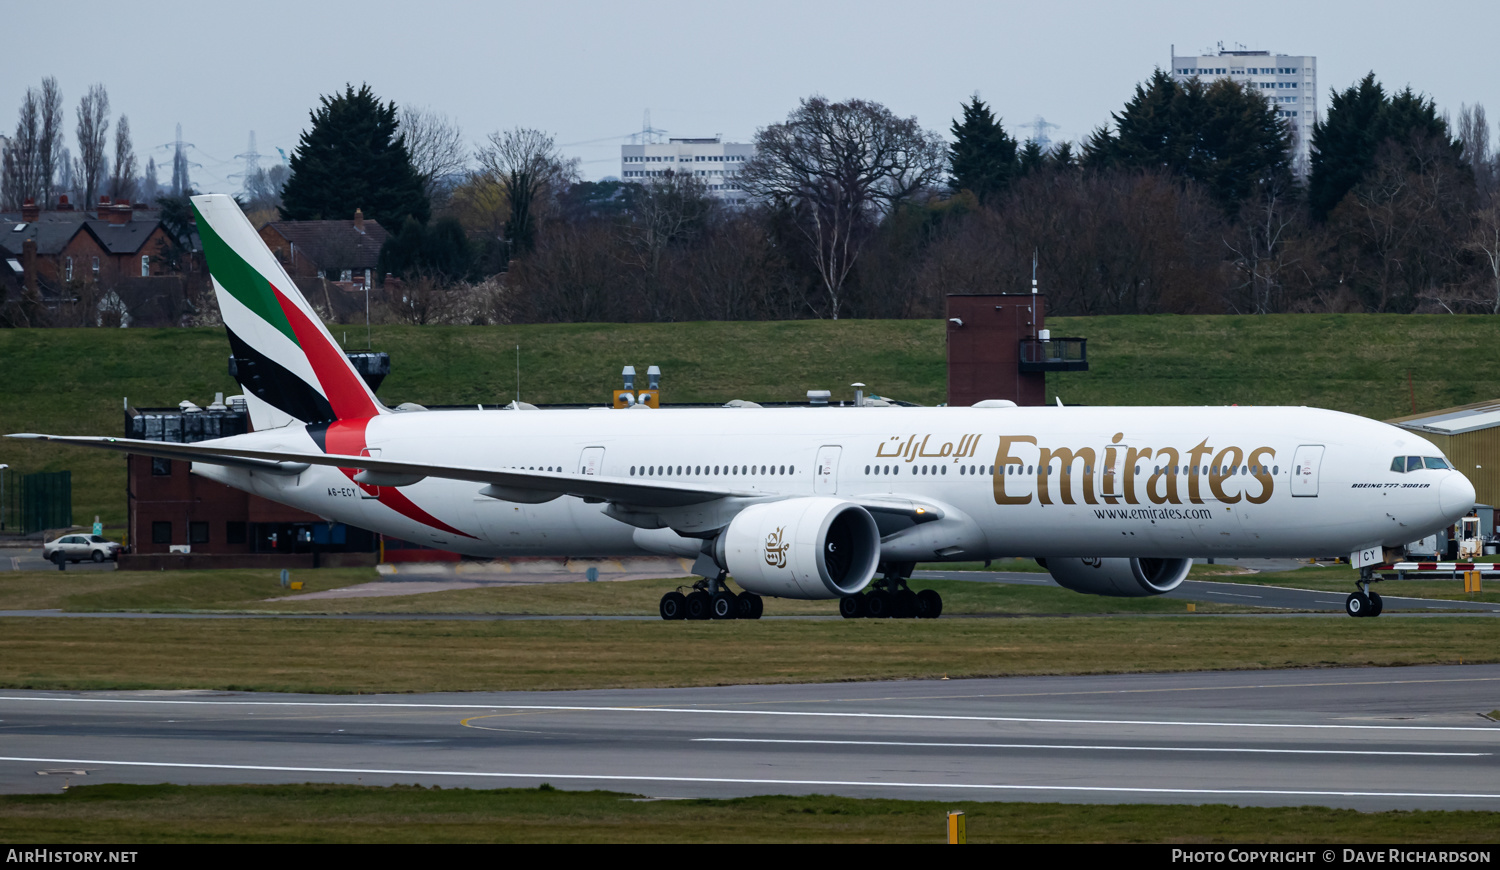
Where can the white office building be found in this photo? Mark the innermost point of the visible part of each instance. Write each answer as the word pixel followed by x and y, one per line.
pixel 1289 81
pixel 713 161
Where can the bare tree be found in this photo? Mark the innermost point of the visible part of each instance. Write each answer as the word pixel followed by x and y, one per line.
pixel 840 168
pixel 529 169
pixel 49 154
pixel 122 183
pixel 22 173
pixel 1259 244
pixel 1474 132
pixel 93 142
pixel 672 209
pixel 436 146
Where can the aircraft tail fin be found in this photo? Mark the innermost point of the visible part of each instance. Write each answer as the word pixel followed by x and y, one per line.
pixel 288 364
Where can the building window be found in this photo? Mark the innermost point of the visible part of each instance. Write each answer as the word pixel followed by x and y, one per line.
pixel 145 266
pixel 197 533
pixel 161 533
pixel 96 267
pixel 346 275
pixel 68 270
pixel 161 467
pixel 234 533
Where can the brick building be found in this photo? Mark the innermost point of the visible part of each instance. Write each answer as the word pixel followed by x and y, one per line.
pixel 65 256
pixel 169 508
pixel 345 252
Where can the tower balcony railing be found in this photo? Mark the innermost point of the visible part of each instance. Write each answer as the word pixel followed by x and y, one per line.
pixel 1054 355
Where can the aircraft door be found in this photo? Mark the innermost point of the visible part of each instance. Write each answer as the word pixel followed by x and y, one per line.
pixel 592 461
pixel 1305 464
pixel 826 474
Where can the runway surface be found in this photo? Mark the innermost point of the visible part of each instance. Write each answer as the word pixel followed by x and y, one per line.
pixel 1363 738
pixel 1241 593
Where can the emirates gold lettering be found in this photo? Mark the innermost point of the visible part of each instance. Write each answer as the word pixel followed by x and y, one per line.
pixel 1058 479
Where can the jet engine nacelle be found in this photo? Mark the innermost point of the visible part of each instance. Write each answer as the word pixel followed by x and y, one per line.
pixel 811 548
pixel 1118 578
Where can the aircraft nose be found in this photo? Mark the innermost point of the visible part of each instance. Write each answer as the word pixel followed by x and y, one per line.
pixel 1455 496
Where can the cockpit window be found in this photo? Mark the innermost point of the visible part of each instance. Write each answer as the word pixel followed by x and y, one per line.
pixel 1403 464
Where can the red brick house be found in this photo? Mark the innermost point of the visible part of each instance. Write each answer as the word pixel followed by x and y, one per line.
pixel 346 252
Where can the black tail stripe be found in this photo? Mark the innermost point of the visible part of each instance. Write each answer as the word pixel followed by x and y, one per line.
pixel 277 386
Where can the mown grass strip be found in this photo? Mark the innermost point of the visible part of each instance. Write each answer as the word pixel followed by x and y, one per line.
pixel 346 656
pixel 412 814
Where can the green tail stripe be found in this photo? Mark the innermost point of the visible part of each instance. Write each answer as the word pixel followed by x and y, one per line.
pixel 242 280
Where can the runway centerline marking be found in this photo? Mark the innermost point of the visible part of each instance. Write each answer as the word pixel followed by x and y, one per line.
pixel 484 774
pixel 792 713
pixel 1110 748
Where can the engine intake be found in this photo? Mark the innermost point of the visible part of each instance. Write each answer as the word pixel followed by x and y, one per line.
pixel 811 548
pixel 1119 578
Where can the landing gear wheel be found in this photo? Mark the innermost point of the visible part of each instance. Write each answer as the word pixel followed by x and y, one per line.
pixel 906 604
pixel 852 606
pixel 673 605
pixel 699 605
pixel 878 605
pixel 929 604
pixel 1357 604
pixel 726 605
pixel 750 606
pixel 1376 604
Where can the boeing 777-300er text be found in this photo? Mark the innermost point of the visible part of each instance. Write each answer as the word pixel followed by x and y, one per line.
pixel 807 503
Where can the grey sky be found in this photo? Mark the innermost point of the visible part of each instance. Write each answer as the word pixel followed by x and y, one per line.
pixel 586 71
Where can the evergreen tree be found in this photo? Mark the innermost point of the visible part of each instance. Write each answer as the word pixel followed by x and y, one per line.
pixel 982 157
pixel 1359 121
pixel 1343 145
pixel 1222 135
pixel 353 157
pixel 440 250
pixel 1031 159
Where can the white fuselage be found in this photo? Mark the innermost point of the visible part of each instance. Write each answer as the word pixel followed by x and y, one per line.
pixel 1118 482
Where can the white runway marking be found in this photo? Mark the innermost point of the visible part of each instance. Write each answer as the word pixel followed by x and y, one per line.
pixel 799 713
pixel 1232 595
pixel 1110 748
pixel 779 782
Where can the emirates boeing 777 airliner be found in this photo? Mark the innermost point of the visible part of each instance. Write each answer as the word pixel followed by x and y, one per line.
pixel 808 502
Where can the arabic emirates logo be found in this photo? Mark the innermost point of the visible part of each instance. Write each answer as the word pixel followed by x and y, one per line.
pixel 775 549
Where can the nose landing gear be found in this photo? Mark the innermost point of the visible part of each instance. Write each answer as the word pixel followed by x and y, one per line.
pixel 1364 602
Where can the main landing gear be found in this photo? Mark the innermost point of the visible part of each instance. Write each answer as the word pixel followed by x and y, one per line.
pixel 890 598
pixel 1364 602
pixel 711 599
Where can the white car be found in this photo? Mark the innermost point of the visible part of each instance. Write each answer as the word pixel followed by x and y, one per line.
pixel 76 548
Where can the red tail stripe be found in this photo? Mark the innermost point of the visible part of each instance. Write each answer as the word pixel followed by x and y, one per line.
pixel 346 392
pixel 347 437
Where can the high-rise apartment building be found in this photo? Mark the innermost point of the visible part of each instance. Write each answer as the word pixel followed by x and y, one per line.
pixel 1289 81
pixel 715 162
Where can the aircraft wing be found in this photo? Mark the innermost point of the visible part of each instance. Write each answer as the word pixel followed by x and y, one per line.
pixel 507 484
pixel 593 488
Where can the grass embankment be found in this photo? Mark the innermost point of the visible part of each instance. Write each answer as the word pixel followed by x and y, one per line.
pixel 410 814
pixel 347 656
pixel 240 591
pixel 1340 579
pixel 71 381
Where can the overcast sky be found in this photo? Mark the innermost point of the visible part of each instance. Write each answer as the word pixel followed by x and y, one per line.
pixel 586 72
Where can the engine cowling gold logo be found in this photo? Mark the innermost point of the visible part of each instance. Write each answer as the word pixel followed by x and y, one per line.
pixel 776 549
